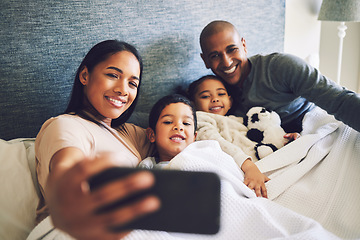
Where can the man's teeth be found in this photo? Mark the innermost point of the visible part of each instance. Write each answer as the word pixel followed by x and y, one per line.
pixel 231 70
pixel 215 108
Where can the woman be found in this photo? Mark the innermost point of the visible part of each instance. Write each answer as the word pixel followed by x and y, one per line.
pixel 91 136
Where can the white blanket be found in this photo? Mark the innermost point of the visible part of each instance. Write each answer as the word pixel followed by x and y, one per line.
pixel 325 185
pixel 243 215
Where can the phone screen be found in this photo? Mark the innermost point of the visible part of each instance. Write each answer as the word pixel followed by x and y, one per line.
pixel 190 201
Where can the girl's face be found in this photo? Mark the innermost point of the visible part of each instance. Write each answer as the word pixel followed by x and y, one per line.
pixel 111 87
pixel 212 97
pixel 174 130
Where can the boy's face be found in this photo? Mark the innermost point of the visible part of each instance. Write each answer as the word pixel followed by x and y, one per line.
pixel 225 53
pixel 212 97
pixel 174 130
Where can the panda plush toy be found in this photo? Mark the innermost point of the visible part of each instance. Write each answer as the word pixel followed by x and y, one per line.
pixel 264 129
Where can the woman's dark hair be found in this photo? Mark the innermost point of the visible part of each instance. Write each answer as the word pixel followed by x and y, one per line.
pixel 194 87
pixel 97 54
pixel 163 102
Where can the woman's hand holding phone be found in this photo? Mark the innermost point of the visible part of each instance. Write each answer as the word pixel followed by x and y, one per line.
pixel 73 207
pixel 190 200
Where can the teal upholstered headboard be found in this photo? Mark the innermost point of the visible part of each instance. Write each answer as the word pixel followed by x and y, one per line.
pixel 43 42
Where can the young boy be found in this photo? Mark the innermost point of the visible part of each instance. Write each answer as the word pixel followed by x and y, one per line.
pixel 212 101
pixel 172 127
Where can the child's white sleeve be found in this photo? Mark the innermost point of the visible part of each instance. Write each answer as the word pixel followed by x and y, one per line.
pixel 208 129
pixel 147 163
pixel 236 152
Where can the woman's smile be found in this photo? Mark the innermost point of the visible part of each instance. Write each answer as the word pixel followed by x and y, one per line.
pixel 116 102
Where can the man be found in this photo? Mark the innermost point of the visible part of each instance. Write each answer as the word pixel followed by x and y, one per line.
pixel 279 82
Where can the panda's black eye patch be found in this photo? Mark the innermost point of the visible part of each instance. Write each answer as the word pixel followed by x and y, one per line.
pixel 263 110
pixel 255 118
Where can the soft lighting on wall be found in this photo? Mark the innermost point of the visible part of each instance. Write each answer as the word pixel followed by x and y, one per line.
pixel 340 11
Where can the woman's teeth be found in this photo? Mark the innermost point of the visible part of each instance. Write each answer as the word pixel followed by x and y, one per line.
pixel 115 101
pixel 231 70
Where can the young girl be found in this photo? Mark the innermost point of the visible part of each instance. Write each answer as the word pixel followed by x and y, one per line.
pixel 172 127
pixel 212 100
pixel 210 94
pixel 91 136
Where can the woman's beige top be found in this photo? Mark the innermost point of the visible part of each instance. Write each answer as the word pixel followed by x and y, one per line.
pixel 66 130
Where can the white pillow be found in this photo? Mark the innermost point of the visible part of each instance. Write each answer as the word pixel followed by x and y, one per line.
pixel 18 194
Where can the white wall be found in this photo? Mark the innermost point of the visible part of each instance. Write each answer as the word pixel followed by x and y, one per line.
pixel 306 36
pixel 329 47
pixel 302 29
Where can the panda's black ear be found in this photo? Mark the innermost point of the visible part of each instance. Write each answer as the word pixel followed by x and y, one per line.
pixel 255 117
pixel 255 135
pixel 245 120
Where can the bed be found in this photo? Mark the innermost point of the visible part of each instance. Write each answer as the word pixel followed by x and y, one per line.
pixel 44 41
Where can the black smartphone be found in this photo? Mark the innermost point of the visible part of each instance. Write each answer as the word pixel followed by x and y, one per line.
pixel 190 201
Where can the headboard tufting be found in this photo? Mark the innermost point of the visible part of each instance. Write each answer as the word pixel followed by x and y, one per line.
pixel 43 42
